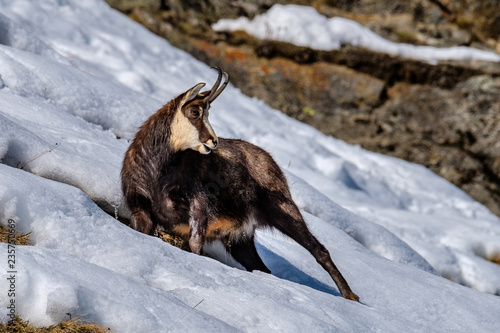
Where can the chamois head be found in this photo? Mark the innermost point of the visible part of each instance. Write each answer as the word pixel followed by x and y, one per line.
pixel 190 127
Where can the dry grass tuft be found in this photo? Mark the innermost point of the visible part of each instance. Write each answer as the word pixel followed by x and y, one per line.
pixel 174 240
pixel 75 325
pixel 494 258
pixel 171 239
pixel 18 240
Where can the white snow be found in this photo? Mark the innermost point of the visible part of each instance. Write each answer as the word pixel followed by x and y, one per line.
pixel 81 75
pixel 304 26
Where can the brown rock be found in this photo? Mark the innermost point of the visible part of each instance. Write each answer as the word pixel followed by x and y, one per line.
pixel 455 132
pixel 129 5
pixel 290 86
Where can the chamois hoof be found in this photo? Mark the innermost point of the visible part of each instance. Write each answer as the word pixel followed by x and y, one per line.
pixel 351 296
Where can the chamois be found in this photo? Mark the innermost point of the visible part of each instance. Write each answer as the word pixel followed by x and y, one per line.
pixel 179 176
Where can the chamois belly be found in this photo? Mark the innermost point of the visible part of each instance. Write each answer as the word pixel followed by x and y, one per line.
pixel 220 229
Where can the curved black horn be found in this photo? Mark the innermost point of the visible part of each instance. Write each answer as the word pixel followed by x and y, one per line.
pixel 216 84
pixel 222 87
pixel 214 92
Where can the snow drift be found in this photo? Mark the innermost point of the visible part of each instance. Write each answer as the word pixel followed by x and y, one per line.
pixel 304 26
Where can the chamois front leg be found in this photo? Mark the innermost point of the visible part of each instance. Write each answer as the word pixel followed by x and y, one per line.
pixel 140 208
pixel 197 224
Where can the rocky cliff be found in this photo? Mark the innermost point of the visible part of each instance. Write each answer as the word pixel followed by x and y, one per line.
pixel 444 116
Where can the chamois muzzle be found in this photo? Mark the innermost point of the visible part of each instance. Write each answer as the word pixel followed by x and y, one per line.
pixel 216 90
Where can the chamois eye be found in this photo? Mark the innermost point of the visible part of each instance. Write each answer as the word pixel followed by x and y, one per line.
pixel 195 113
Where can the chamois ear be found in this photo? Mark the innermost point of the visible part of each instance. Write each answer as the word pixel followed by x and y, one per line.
pixel 192 93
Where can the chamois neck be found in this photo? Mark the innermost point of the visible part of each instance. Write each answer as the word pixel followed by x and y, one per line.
pixel 153 138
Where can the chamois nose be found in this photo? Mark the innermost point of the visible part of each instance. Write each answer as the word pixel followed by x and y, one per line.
pixel 215 142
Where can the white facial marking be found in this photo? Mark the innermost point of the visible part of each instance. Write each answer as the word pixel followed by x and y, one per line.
pixel 183 134
pixel 207 124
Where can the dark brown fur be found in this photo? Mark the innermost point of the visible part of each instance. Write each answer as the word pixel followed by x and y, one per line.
pixel 224 195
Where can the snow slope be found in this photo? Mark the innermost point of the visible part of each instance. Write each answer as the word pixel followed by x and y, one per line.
pixel 85 77
pixel 304 26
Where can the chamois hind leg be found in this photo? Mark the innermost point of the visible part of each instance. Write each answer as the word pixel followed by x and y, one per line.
pixel 245 253
pixel 197 224
pixel 140 208
pixel 285 216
